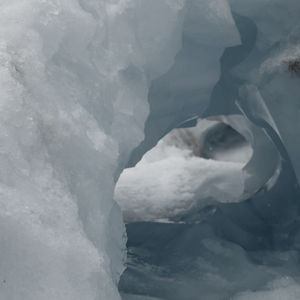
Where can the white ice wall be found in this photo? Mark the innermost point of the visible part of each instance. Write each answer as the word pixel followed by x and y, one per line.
pixel 74 77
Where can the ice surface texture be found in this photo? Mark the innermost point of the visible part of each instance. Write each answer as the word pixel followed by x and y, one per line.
pixel 187 261
pixel 75 81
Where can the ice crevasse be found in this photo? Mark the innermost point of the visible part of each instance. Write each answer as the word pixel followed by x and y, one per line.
pixel 89 86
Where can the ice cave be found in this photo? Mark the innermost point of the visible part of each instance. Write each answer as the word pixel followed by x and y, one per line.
pixel 149 150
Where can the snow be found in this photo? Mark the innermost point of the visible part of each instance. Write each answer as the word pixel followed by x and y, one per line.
pixel 170 178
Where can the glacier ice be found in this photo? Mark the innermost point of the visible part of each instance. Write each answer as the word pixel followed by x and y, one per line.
pixel 87 88
pixel 188 261
pixel 256 80
pixel 74 84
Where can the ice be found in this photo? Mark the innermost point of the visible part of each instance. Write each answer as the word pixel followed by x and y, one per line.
pixel 281 288
pixel 258 79
pixel 74 79
pixel 184 91
pixel 185 261
pixel 190 165
pixel 87 88
pixel 169 179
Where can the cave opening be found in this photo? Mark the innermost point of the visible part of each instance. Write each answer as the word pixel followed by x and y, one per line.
pixel 233 232
pixel 188 234
pixel 188 164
